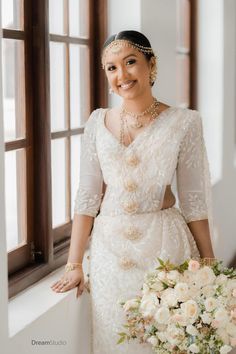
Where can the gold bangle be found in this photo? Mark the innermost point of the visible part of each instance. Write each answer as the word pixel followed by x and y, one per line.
pixel 207 261
pixel 71 266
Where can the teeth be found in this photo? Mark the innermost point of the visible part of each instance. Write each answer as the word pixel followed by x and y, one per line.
pixel 127 85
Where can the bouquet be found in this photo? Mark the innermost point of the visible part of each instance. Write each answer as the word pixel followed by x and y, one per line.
pixel 183 309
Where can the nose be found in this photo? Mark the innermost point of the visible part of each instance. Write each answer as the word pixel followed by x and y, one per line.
pixel 122 73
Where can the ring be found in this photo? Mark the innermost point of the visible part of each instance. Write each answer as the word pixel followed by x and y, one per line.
pixel 65 282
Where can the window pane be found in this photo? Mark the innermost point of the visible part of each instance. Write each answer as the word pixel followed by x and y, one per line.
pixel 56 16
pixel 75 167
pixel 12 14
pixel 59 181
pixel 57 85
pixel 79 18
pixel 79 85
pixel 183 24
pixel 13 88
pixel 15 196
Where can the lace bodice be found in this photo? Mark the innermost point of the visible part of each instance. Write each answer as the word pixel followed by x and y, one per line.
pixel 136 176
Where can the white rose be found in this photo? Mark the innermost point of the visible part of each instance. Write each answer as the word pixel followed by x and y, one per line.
pixel 146 289
pixel 173 276
pixel 174 335
pixel 205 276
pixel 223 335
pixel 130 304
pixel 149 304
pixel 225 349
pixel 188 277
pixel 221 279
pixel 182 291
pixel 206 318
pixel 210 304
pixel 158 286
pixel 208 291
pixel 231 329
pixel 190 329
pixel 153 340
pixel 161 336
pixel 180 319
pixel 190 310
pixel 162 276
pixel 193 265
pixel 221 316
pixel 162 315
pixel 194 348
pixel 169 297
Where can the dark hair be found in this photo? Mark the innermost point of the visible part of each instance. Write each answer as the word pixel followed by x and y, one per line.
pixel 132 36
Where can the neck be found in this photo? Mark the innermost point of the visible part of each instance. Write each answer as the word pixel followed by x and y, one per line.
pixel 138 105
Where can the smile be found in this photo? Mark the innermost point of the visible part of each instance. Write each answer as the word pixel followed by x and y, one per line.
pixel 127 85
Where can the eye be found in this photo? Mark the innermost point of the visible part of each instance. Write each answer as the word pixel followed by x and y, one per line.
pixel 131 61
pixel 111 68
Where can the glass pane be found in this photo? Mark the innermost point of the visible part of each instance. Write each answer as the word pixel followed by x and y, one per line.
pixel 79 18
pixel 57 86
pixel 56 16
pixel 183 24
pixel 13 88
pixel 58 181
pixel 15 197
pixel 75 167
pixel 13 14
pixel 79 84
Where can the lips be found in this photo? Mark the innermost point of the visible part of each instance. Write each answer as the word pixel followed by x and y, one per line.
pixel 127 85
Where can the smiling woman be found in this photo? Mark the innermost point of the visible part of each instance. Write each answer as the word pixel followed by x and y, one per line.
pixel 135 151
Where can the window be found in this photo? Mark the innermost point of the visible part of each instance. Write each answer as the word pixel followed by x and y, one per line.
pixel 50 53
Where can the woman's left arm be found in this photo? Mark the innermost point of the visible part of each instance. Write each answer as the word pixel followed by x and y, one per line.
pixel 193 184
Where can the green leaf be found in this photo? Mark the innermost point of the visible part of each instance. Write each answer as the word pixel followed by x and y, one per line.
pixel 121 340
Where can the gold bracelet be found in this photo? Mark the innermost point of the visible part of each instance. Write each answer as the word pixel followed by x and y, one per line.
pixel 208 261
pixel 71 266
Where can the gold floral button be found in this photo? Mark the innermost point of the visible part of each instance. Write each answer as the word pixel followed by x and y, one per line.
pixel 132 233
pixel 130 186
pixel 132 160
pixel 130 207
pixel 126 263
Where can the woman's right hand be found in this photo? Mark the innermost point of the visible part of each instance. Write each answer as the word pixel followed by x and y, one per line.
pixel 73 278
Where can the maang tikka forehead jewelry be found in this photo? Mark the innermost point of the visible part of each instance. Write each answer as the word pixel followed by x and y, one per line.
pixel 116 46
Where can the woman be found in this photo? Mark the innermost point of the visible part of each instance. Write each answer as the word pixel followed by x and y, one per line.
pixel 134 151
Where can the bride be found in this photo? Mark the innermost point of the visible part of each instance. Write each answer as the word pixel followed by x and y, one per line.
pixel 130 155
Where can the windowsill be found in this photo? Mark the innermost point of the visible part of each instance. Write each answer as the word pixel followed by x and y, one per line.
pixel 30 304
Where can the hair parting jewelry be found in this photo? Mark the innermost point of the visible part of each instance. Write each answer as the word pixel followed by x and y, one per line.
pixel 117 44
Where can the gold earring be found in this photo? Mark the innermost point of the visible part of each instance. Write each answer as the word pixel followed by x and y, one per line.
pixel 153 72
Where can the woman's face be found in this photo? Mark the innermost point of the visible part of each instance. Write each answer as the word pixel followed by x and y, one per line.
pixel 128 72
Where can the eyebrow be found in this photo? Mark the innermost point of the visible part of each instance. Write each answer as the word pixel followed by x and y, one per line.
pixel 130 55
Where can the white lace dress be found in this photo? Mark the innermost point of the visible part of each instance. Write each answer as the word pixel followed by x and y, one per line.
pixel 131 230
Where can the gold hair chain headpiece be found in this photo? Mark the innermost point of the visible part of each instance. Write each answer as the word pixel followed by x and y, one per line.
pixel 116 45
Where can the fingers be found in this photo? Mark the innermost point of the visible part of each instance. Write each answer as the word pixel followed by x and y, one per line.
pixel 80 288
pixel 62 285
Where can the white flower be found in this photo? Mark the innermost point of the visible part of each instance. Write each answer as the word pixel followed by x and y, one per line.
pixel 146 289
pixel 169 297
pixel 174 335
pixel 130 304
pixel 205 276
pixel 190 310
pixel 162 276
pixel 221 279
pixel 231 329
pixel 180 319
pixel 153 340
pixel 193 265
pixel 182 291
pixel 206 318
pixel 149 304
pixel 208 291
pixel 162 315
pixel 173 276
pixel 194 348
pixel 190 329
pixel 158 286
pixel 223 335
pixel 225 349
pixel 221 316
pixel 188 277
pixel 210 304
pixel 161 336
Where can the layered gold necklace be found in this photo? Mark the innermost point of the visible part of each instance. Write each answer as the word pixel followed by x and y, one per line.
pixel 152 110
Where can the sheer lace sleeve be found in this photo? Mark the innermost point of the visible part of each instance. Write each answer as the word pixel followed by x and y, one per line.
pixel 88 197
pixel 193 177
